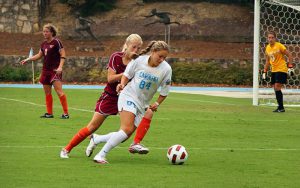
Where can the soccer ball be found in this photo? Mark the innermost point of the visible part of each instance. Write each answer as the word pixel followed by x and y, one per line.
pixel 177 154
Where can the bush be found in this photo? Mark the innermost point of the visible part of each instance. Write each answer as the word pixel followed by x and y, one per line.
pixel 211 73
pixel 14 74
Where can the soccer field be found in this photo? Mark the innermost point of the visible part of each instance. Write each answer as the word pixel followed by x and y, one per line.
pixel 230 144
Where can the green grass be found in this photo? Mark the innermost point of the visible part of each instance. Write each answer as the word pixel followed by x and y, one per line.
pixel 230 144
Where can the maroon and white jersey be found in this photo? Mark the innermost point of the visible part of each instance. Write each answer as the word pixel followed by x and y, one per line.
pixel 116 64
pixel 51 54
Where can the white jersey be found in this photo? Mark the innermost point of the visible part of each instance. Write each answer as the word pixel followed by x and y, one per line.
pixel 145 81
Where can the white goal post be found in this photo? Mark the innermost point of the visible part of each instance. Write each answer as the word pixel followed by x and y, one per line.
pixel 283 17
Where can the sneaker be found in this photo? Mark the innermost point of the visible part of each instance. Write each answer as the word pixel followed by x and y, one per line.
pixel 138 148
pixel 65 116
pixel 279 110
pixel 101 161
pixel 46 115
pixel 64 154
pixel 90 148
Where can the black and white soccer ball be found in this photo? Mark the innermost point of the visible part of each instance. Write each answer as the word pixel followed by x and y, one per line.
pixel 177 154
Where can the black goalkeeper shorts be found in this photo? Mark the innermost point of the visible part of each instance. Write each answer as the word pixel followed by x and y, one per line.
pixel 278 77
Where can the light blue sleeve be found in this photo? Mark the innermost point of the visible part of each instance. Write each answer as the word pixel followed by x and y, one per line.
pixel 166 83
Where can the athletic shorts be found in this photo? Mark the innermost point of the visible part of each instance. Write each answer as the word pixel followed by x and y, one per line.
pixel 48 77
pixel 278 77
pixel 126 103
pixel 107 104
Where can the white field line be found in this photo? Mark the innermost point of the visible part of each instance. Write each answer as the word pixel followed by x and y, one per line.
pixel 161 148
pixel 42 105
pixel 163 118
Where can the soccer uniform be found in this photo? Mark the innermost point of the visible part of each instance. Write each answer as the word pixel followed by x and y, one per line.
pixel 278 63
pixel 145 81
pixel 107 104
pixel 51 61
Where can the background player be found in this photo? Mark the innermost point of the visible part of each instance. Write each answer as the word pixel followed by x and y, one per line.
pixel 54 58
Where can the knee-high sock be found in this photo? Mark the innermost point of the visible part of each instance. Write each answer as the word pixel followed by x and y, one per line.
pixel 49 104
pixel 64 104
pixel 102 138
pixel 142 130
pixel 279 98
pixel 78 137
pixel 114 140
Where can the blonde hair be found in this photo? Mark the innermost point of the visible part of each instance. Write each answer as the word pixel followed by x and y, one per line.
pixel 155 46
pixel 130 39
pixel 51 28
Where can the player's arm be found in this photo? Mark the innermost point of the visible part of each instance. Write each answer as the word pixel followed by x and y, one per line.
pixel 62 53
pixel 266 67
pixel 33 58
pixel 158 101
pixel 127 75
pixel 290 58
pixel 124 81
pixel 112 76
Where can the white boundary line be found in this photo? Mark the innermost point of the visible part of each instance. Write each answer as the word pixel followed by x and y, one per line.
pixel 162 118
pixel 160 148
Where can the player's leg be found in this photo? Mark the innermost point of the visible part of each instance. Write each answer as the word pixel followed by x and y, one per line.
pixel 127 127
pixel 142 129
pixel 279 79
pixel 57 84
pixel 83 133
pixel 279 97
pixel 49 101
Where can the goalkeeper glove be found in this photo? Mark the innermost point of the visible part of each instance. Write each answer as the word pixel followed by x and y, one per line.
pixel 291 71
pixel 264 75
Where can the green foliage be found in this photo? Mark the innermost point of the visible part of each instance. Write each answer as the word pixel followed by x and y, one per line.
pixel 97 75
pixel 212 73
pixel 8 73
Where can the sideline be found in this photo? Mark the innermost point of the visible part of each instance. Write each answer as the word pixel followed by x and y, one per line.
pixel 231 92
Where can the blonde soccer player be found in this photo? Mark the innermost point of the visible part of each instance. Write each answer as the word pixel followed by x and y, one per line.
pixel 140 81
pixel 54 58
pixel 107 102
pixel 275 56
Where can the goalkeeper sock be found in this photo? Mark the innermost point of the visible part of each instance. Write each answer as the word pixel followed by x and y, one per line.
pixel 49 104
pixel 78 138
pixel 142 130
pixel 279 98
pixel 63 102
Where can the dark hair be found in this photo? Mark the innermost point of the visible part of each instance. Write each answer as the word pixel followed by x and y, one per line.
pixel 51 28
pixel 271 33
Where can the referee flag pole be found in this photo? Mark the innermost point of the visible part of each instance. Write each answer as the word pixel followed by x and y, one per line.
pixel 32 66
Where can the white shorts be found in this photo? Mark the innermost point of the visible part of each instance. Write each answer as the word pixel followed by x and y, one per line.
pixel 126 103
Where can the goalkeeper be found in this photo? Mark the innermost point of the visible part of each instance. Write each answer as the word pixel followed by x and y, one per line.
pixel 275 52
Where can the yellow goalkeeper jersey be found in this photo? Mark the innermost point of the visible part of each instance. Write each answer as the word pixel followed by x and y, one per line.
pixel 276 57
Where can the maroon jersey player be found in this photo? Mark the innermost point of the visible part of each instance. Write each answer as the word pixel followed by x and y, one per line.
pixel 107 103
pixel 54 58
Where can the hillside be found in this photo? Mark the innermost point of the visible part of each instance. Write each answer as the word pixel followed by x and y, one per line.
pixel 206 31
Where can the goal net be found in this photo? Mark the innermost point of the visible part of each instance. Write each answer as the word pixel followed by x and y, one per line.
pixel 283 17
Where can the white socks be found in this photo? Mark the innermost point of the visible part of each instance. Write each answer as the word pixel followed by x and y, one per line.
pixel 102 138
pixel 115 139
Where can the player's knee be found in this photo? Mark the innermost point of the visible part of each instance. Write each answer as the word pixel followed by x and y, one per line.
pixel 148 114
